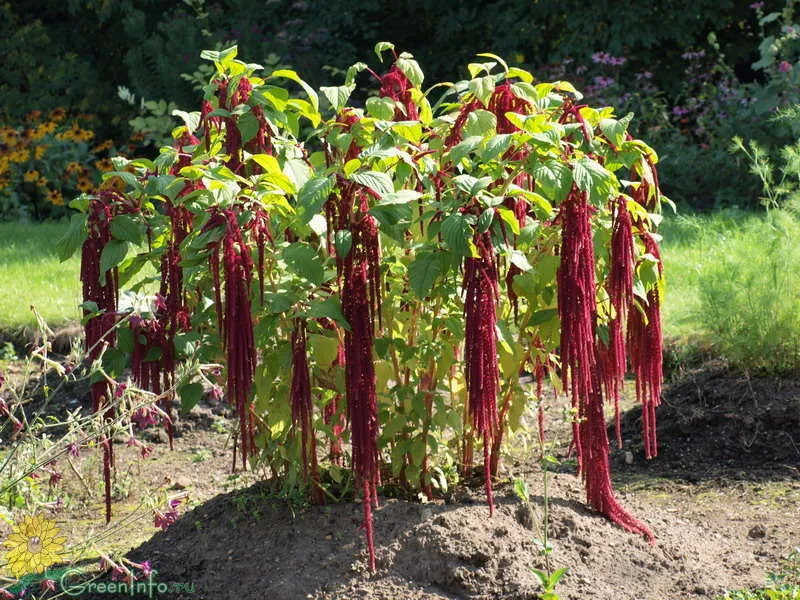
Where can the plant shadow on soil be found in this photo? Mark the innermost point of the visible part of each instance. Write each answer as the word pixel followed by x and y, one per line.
pixel 713 533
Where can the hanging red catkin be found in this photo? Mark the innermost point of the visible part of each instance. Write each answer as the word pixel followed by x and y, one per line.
pixel 480 347
pixel 103 291
pixel 153 361
pixel 235 319
pixel 577 307
pixel 645 345
pixel 360 305
pixel 302 408
pixel 620 291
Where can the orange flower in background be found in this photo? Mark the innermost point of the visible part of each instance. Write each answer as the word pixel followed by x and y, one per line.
pixel 33 115
pixel 43 182
pixel 55 197
pixel 84 184
pixel 113 183
pixel 104 164
pixel 74 167
pixel 31 176
pixel 59 114
pixel 4 182
pixel 106 145
pixel 137 137
pixel 84 135
pixel 39 151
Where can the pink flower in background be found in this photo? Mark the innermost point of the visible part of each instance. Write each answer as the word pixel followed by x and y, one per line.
pixel 785 66
pixel 757 5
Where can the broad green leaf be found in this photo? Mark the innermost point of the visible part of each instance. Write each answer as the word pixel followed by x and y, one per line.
pixel 343 241
pixel 483 88
pixel 410 68
pixel 190 394
pixel 127 229
pixel 312 196
pixel 289 74
pixel 457 234
pixel 112 256
pixel 337 96
pixel 480 123
pixel 377 181
pixel 73 238
pixel 381 108
pixel 330 308
pixel 304 261
pixel 380 47
pixel 553 179
pixel 423 272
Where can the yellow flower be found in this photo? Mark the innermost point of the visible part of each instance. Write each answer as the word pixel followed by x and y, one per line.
pixel 33 545
pixel 73 167
pixel 48 127
pixel 84 184
pixel 58 114
pixel 4 182
pixel 104 146
pixel 55 197
pixel 43 181
pixel 83 135
pixel 104 164
pixel 31 176
pixel 39 151
pixel 19 156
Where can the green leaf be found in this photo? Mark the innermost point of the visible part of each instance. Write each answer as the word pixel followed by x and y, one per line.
pixel 337 95
pixel 480 123
pixel 191 120
pixel 112 256
pixel 298 171
pixel 594 179
pixel 553 179
pixel 289 74
pixel 463 148
pixel 381 108
pixel 495 146
pixel 127 229
pixel 391 214
pixel 304 261
pixel 380 47
pixel 73 238
pixel 330 308
pixel 615 130
pixel 248 126
pixel 485 220
pixel 190 394
pixel 472 185
pixel 410 68
pixel 424 271
pixel 312 196
pixel 377 181
pixel 343 242
pixel 483 88
pixel 457 234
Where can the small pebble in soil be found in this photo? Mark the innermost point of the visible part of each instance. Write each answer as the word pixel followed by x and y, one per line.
pixel 756 532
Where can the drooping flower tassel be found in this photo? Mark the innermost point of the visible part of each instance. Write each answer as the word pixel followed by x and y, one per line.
pixel 302 408
pixel 480 347
pixel 577 307
pixel 620 291
pixel 645 346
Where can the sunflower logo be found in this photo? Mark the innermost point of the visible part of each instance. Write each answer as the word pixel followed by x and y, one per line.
pixel 33 545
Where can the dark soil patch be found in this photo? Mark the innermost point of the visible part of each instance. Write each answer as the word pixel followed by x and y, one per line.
pixel 717 423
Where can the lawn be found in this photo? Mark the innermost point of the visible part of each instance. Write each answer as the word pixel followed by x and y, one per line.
pixel 31 275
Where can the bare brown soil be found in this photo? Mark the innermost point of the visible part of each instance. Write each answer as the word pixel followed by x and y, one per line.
pixel 723 499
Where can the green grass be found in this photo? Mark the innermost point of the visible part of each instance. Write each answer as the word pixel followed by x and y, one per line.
pixel 733 281
pixel 30 274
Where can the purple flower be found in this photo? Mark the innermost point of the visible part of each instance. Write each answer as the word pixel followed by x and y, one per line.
pixel 679 111
pixel 600 58
pixel 581 69
pixel 617 61
pixel 757 5
pixel 146 568
pixel 785 66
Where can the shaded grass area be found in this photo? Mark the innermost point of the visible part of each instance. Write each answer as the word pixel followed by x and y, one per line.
pixel 733 282
pixel 30 274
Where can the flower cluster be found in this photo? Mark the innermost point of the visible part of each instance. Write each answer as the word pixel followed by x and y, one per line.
pixel 49 158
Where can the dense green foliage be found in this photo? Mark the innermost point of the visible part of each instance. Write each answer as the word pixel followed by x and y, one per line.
pixel 732 66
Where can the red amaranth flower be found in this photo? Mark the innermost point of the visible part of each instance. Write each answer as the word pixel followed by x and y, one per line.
pixel 235 319
pixel 620 291
pixel 396 85
pixel 302 408
pixel 480 347
pixel 577 308
pixel 645 344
